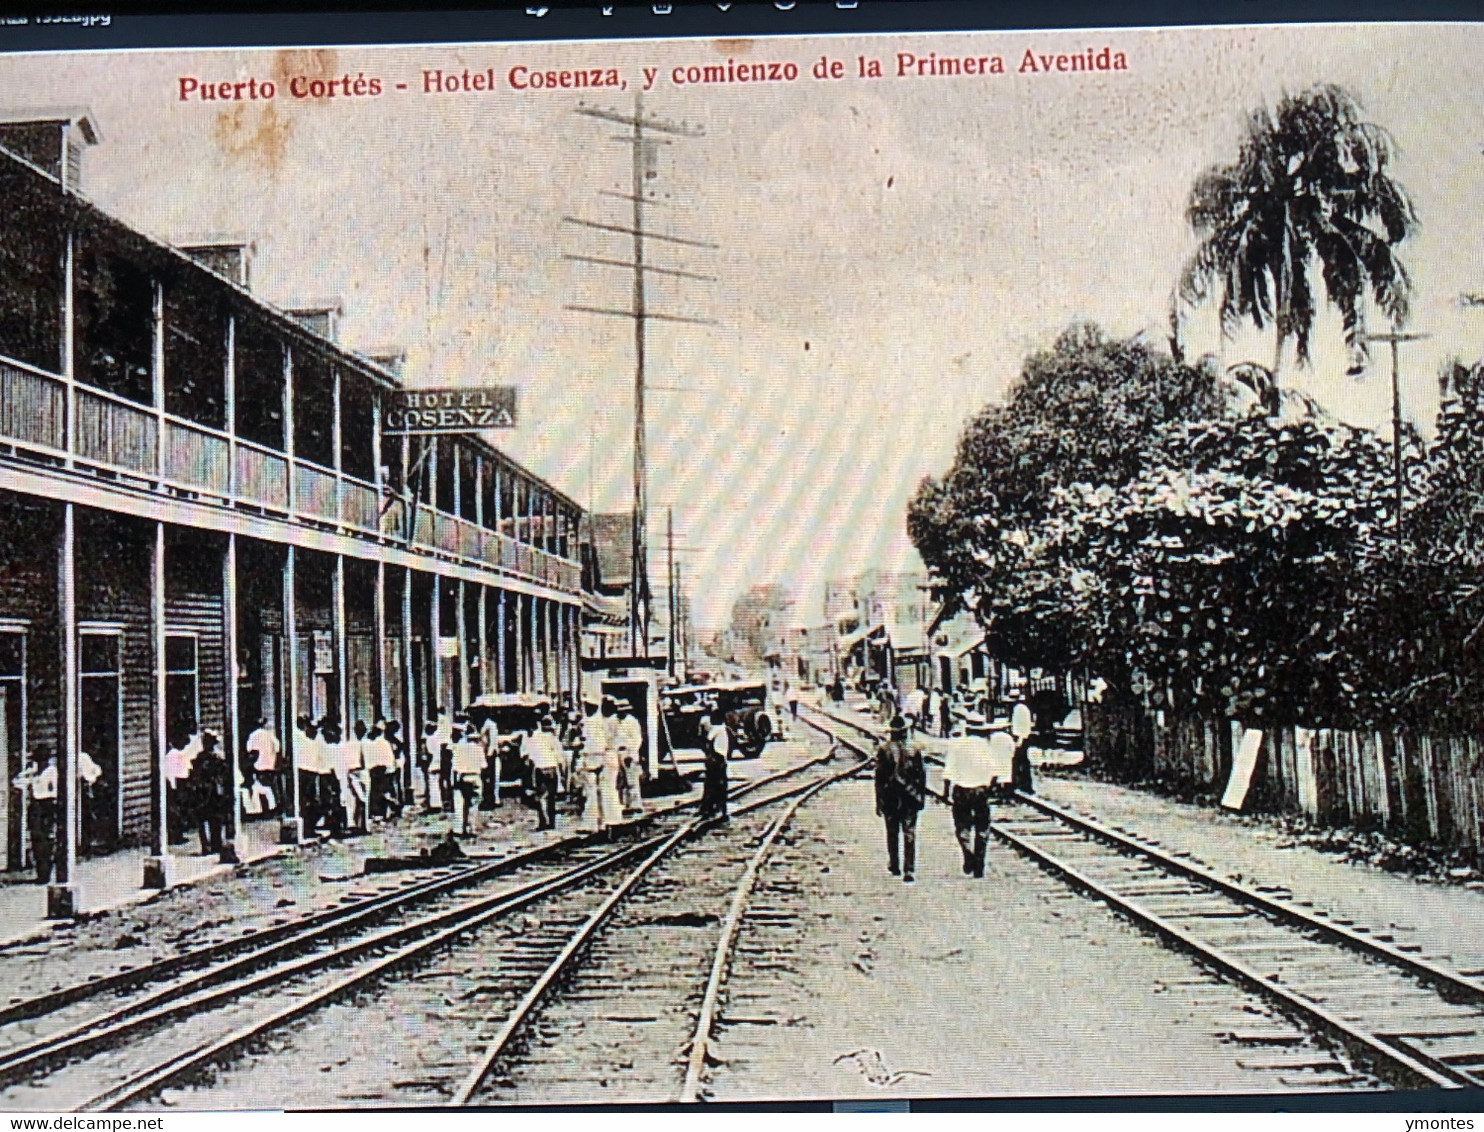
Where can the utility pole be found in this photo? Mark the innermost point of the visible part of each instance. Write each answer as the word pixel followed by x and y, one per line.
pixel 684 628
pixel 670 583
pixel 644 143
pixel 1395 338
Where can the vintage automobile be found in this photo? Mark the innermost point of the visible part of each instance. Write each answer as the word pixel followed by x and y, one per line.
pixel 512 712
pixel 686 712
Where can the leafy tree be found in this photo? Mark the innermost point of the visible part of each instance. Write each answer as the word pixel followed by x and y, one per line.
pixel 1310 188
pixel 1225 576
pixel 1428 623
pixel 1084 411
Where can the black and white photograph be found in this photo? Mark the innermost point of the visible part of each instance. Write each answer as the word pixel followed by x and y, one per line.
pixel 863 568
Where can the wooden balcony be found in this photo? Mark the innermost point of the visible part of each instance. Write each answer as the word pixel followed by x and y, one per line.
pixel 123 440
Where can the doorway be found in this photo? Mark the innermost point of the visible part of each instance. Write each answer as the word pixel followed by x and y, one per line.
pixel 13 736
pixel 101 719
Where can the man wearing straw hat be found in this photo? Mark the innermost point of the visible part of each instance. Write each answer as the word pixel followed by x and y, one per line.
pixel 975 767
pixel 901 785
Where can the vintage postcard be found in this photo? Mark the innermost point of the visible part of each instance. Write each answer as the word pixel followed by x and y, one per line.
pixel 694 570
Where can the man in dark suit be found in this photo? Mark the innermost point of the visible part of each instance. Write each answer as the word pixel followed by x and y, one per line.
pixel 901 785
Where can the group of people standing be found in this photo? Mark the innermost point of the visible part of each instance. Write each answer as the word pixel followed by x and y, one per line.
pixel 611 748
pixel 345 780
pixel 976 770
pixel 592 757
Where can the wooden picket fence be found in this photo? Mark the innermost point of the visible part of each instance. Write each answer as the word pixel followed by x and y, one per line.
pixel 1422 788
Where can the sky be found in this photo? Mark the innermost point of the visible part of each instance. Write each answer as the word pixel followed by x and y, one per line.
pixel 887 251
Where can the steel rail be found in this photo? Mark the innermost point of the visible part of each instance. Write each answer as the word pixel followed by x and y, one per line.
pixel 1414 1066
pixel 461 919
pixel 1453 981
pixel 270 943
pixel 696 1063
pixel 458 921
pixel 522 1012
pixel 1416 1070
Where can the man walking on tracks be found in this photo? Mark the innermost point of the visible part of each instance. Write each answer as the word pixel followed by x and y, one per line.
pixel 714 791
pixel 974 769
pixel 901 785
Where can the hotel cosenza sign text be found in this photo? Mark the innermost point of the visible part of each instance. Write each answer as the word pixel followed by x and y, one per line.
pixel 425 411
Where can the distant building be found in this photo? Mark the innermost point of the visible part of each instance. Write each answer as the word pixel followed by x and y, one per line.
pixel 880 621
pixel 607 576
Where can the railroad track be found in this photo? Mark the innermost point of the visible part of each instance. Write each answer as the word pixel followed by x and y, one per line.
pixel 641 1011
pixel 200 1006
pixel 1414 1021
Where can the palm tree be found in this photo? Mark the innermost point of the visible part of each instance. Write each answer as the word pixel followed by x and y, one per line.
pixel 1309 189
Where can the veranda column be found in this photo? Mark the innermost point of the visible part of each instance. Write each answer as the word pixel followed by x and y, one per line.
pixel 291 827
pixel 157 865
pixel 342 645
pixel 520 643
pixel 411 727
pixel 231 742
pixel 378 665
pixel 500 650
pixel 61 896
pixel 460 593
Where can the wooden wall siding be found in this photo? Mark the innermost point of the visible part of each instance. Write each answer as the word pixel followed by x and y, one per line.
pixel 113 585
pixel 1424 788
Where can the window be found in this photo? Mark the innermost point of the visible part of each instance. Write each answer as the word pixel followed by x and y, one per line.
pixel 195 356
pixel 448 452
pixel 13 680
pixel 182 702
pixel 491 471
pixel 115 322
pixel 356 427
pixel 31 251
pixel 259 379
pixel 98 654
pixel 101 715
pixel 467 504
pixel 314 409
pixel 391 461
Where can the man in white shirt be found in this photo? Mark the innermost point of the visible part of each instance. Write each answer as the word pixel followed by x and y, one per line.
pixel 89 781
pixel 337 758
pixel 718 746
pixel 308 758
pixel 912 707
pixel 628 738
pixel 357 777
pixel 443 764
pixel 381 764
pixel 264 747
pixel 467 763
pixel 176 767
pixel 40 779
pixel 544 752
pixel 973 768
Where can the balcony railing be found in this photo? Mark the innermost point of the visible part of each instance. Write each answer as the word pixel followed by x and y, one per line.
pixel 33 407
pixel 118 435
pixel 362 506
pixel 115 433
pixel 196 457
pixel 262 476
pixel 315 492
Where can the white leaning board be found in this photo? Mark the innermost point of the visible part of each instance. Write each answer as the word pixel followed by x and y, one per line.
pixel 1244 762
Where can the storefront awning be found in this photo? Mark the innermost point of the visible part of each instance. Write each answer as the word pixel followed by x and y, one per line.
pixel 967 647
pixel 604 610
pixel 850 640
